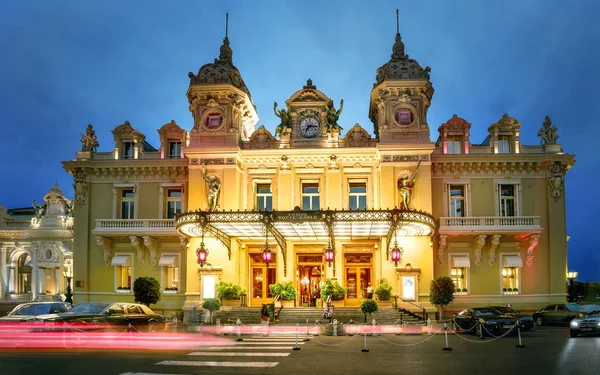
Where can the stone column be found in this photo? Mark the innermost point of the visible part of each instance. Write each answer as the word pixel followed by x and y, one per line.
pixel 11 279
pixel 57 278
pixel 3 273
pixel 34 274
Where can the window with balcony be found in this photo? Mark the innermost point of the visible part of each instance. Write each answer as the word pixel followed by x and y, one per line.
pixel 457 205
pixel 264 197
pixel 453 144
pixel 504 144
pixel 507 199
pixel 174 202
pixel 128 150
pixel 169 264
pixel 174 150
pixel 127 204
pixel 310 197
pixel 123 272
pixel 357 196
pixel 511 265
pixel 460 265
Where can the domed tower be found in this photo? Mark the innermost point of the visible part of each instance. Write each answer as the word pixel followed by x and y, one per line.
pixel 400 98
pixel 220 103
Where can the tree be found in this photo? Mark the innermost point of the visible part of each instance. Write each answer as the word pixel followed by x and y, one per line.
pixel 211 304
pixel 368 306
pixel 441 293
pixel 146 290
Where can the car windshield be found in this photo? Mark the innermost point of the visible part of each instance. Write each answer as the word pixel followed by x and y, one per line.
pixel 93 308
pixel 486 311
pixel 35 309
pixel 593 314
pixel 506 310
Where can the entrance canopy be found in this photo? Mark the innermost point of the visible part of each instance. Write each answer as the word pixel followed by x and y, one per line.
pixel 298 225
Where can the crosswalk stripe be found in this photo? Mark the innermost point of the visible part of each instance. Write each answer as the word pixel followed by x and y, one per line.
pixel 218 364
pixel 252 354
pixel 214 348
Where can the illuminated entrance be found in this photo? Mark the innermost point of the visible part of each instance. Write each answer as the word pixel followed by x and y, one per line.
pixel 261 276
pixel 309 273
pixel 358 271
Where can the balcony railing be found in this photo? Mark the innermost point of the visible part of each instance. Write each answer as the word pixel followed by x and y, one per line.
pixel 135 226
pixel 16 225
pixel 490 224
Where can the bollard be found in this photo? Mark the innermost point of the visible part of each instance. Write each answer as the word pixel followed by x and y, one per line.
pixel 335 324
pixel 217 326
pixel 306 335
pixel 365 347
pixel 447 348
pixel 296 347
pixel 374 323
pixel 429 328
pixel 481 331
pixel 238 325
pixel 175 324
pixel 519 333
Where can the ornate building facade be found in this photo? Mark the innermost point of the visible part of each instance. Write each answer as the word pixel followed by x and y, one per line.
pixel 226 201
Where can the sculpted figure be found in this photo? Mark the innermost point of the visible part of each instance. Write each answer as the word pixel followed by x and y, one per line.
pixel 40 211
pixel 547 133
pixel 286 120
pixel 214 190
pixel 405 185
pixel 333 116
pixel 89 141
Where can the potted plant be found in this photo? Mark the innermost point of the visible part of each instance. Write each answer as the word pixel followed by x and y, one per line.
pixel 334 290
pixel 211 304
pixel 229 293
pixel 286 291
pixel 441 293
pixel 384 293
pixel 368 306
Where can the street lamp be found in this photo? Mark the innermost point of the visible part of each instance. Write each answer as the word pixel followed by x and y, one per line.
pixel 571 276
pixel 68 273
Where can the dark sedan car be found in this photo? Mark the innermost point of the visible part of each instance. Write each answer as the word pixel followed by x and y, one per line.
pixel 561 313
pixel 27 312
pixel 588 324
pixel 115 315
pixel 475 319
pixel 525 321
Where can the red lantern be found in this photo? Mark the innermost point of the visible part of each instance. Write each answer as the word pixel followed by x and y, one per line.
pixel 267 255
pixel 396 253
pixel 202 253
pixel 329 254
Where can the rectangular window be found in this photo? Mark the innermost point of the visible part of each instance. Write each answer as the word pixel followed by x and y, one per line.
pixel 127 204
pixel 503 144
pixel 169 264
pixel 507 200
pixel 174 150
pixel 457 201
pixel 128 150
pixel 122 264
pixel 264 197
pixel 357 196
pixel 174 202
pixel 310 197
pixel 454 144
pixel 460 265
pixel 509 280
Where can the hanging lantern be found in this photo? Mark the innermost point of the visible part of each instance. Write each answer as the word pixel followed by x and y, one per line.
pixel 267 254
pixel 396 253
pixel 329 254
pixel 201 253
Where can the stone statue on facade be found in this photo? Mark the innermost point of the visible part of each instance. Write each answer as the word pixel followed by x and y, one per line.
pixel 89 141
pixel 332 117
pixel 405 185
pixel 214 190
pixel 547 133
pixel 286 120
pixel 40 211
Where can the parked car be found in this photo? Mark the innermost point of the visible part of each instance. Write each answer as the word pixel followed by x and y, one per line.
pixel 26 312
pixel 472 319
pixel 588 324
pixel 561 313
pixel 114 315
pixel 525 321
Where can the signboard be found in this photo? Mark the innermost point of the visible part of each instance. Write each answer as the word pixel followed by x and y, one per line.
pixel 408 288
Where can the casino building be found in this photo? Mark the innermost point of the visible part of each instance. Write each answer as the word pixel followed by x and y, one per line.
pixel 227 201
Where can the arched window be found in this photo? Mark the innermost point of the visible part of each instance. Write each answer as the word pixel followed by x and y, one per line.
pixel 24 274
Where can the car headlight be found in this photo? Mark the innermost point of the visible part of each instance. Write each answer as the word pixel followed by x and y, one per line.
pixel 574 324
pixel 598 324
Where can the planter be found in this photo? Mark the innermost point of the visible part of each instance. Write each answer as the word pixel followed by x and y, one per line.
pixel 288 303
pixel 230 302
pixel 385 304
pixel 341 303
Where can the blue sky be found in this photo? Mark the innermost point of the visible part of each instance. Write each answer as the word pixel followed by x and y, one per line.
pixel 66 64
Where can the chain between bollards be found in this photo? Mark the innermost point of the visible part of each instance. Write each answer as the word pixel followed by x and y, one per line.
pixel 365 347
pixel 447 348
pixel 296 347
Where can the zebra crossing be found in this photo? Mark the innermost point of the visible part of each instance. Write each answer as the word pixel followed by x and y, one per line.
pixel 255 351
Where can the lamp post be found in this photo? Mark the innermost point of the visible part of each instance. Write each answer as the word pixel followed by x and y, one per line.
pixel 571 293
pixel 68 273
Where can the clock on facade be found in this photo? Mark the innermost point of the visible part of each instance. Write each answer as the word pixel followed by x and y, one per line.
pixel 309 127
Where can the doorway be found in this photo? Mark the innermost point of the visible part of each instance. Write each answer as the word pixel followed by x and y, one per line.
pixel 261 276
pixel 309 273
pixel 358 272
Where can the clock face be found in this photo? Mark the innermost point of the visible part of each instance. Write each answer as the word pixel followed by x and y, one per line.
pixel 309 127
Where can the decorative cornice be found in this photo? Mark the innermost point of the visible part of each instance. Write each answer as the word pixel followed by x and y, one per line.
pixel 32 234
pixel 140 173
pixel 532 242
pixel 152 246
pixel 106 244
pixel 486 168
pixel 494 242
pixel 138 245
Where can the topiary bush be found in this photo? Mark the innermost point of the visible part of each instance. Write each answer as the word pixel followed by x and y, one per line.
pixel 287 291
pixel 211 304
pixel 146 290
pixel 227 290
pixel 384 290
pixel 441 293
pixel 333 289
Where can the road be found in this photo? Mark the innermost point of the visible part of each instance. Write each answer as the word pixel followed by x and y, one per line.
pixel 549 350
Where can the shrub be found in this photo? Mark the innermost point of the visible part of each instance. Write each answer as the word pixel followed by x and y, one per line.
pixel 384 290
pixel 287 291
pixel 227 290
pixel 441 291
pixel 369 306
pixel 333 289
pixel 211 304
pixel 146 290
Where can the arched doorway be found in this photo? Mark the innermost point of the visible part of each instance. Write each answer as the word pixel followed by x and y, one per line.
pixel 23 274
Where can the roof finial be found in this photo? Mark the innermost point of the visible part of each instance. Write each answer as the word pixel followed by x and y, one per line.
pixel 397 22
pixel 398 48
pixel 227 23
pixel 226 52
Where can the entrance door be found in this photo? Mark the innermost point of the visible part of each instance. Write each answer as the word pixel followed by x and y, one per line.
pixel 310 275
pixel 261 276
pixel 357 277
